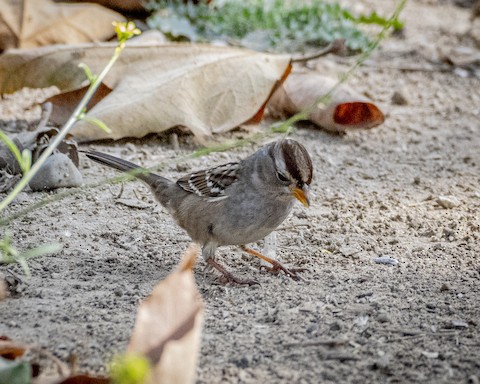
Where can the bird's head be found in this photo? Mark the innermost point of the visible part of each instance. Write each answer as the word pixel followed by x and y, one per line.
pixel 293 168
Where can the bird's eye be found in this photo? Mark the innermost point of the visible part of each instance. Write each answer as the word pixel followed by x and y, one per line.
pixel 282 177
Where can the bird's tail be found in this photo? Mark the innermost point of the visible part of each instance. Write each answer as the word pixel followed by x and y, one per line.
pixel 126 166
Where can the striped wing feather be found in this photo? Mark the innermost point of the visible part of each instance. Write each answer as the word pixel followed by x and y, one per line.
pixel 210 182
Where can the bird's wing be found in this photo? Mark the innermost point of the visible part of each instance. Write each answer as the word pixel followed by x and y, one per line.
pixel 210 182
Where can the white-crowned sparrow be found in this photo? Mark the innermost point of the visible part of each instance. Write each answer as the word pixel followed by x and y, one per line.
pixel 235 203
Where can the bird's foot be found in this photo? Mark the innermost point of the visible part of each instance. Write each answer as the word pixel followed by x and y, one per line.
pixel 276 267
pixel 228 277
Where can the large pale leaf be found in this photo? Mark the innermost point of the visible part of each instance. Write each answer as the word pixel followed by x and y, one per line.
pixel 341 110
pixel 33 23
pixel 168 325
pixel 156 87
pixel 122 5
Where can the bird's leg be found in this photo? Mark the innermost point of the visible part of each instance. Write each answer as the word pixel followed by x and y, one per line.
pixel 276 266
pixel 228 276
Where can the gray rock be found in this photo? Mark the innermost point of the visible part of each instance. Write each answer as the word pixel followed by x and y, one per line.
pixel 57 172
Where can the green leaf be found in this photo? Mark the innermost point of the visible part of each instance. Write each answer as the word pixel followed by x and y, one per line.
pixel 26 160
pixel 16 152
pixel 15 372
pixel 41 250
pixel 88 72
pixel 93 120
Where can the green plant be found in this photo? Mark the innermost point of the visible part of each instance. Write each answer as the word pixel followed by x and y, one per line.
pixel 124 32
pixel 130 369
pixel 9 254
pixel 291 25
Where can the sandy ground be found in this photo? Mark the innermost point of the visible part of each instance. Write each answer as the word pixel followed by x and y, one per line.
pixel 376 195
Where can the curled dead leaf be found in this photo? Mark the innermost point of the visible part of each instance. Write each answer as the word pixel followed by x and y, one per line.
pixel 155 87
pixel 85 379
pixel 344 109
pixel 33 23
pixel 11 350
pixel 168 326
pixel 65 103
pixel 119 5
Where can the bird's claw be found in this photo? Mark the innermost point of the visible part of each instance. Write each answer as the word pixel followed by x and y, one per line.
pixel 277 267
pixel 230 278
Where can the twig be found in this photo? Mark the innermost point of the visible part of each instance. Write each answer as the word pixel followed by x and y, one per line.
pixel 287 228
pixel 336 46
pixel 119 194
pixel 63 368
pixel 314 343
pixel 410 68
pixel 412 334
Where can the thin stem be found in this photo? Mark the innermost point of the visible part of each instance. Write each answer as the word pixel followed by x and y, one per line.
pixel 63 132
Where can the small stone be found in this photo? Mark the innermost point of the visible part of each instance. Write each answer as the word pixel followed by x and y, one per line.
pixel 349 251
pixel 430 355
pixel 312 329
pixel 383 318
pixel 386 260
pixel 448 202
pixel 400 97
pixel 444 287
pixel 335 326
pixel 57 172
pixel 459 324
pixel 242 362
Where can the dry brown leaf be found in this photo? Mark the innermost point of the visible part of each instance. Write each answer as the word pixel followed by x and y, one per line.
pixel 205 88
pixel 65 103
pixel 345 110
pixel 168 325
pixel 85 379
pixel 120 5
pixel 34 23
pixel 11 350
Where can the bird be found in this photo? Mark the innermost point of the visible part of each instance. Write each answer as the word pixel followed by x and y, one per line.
pixel 236 203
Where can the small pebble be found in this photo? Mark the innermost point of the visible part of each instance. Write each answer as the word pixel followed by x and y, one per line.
pixel 430 355
pixel 448 202
pixel 459 324
pixel 444 287
pixel 399 97
pixel 385 260
pixel 383 318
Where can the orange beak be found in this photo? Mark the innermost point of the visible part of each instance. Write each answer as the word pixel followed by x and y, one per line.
pixel 301 194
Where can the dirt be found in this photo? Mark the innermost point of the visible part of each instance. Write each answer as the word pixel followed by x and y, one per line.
pixel 377 193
